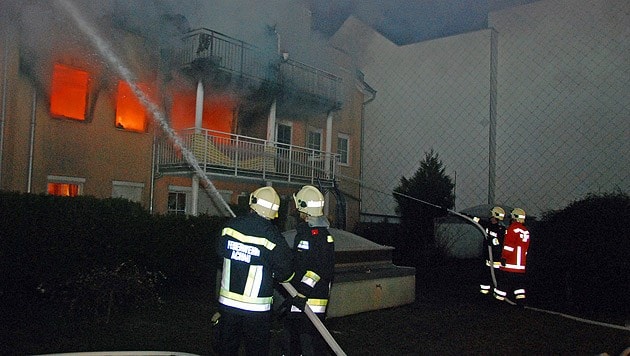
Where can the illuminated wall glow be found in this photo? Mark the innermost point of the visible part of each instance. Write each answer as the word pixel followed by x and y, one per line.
pixel 131 115
pixel 63 189
pixel 218 112
pixel 69 92
pixel 183 110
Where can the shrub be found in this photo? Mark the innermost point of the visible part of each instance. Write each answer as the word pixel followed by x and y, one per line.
pixel 94 258
pixel 580 255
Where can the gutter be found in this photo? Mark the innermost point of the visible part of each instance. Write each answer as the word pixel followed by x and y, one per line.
pixel 31 145
pixel 366 88
pixel 3 114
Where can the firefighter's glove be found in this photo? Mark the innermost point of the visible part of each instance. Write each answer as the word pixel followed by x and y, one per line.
pixel 299 301
pixel 503 262
pixel 476 219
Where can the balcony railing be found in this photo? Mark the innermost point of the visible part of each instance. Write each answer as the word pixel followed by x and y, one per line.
pixel 311 80
pixel 226 53
pixel 245 60
pixel 229 154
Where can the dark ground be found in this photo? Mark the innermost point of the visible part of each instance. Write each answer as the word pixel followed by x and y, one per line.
pixel 448 318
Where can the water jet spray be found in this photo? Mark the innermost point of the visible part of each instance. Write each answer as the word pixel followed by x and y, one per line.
pixel 105 50
pixel 103 47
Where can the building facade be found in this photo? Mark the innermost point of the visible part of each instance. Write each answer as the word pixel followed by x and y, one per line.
pixel 189 121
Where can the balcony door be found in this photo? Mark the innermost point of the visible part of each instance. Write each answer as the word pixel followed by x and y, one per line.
pixel 283 153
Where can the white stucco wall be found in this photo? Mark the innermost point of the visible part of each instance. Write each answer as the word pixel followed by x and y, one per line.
pixel 430 95
pixel 562 119
pixel 563 101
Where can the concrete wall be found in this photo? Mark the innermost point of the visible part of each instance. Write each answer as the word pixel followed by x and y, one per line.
pixel 558 72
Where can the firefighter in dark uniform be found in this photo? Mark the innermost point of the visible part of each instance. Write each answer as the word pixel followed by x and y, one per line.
pixel 254 253
pixel 314 252
pixel 492 247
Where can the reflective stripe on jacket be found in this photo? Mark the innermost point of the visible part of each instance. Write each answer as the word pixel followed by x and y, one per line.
pixel 515 248
pixel 254 253
pixel 314 249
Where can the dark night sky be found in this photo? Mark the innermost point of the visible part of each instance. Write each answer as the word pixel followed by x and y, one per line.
pixel 409 21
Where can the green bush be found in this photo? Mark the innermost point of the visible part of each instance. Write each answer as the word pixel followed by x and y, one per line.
pixel 185 250
pixel 579 256
pixel 93 258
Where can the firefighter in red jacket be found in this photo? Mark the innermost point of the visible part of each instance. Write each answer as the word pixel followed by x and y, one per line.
pixel 492 248
pixel 514 260
pixel 314 250
pixel 254 253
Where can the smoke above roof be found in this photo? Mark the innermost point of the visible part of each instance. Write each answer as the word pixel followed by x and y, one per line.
pixel 46 33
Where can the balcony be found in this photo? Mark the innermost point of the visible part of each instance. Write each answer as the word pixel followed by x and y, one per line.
pixel 224 154
pixel 211 55
pixel 304 87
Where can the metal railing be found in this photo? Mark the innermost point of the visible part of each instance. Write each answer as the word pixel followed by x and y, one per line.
pixel 226 53
pixel 243 59
pixel 310 79
pixel 237 155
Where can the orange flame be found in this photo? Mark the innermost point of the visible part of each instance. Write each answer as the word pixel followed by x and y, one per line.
pixel 69 92
pixel 130 113
pixel 63 189
pixel 218 112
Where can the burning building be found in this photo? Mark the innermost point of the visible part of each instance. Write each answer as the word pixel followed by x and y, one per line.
pixel 95 103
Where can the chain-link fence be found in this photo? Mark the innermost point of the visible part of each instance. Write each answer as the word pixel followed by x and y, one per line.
pixel 533 112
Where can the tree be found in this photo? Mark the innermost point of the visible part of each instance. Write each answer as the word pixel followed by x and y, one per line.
pixel 429 184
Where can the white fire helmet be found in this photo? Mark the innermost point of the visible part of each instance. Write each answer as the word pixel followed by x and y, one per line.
pixel 497 212
pixel 518 214
pixel 309 200
pixel 266 202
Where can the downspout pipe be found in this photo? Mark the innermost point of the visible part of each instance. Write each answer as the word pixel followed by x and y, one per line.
pixel 3 113
pixel 329 156
pixel 372 92
pixel 153 169
pixel 329 128
pixel 31 145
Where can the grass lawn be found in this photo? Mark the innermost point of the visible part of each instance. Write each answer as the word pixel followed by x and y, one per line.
pixel 448 319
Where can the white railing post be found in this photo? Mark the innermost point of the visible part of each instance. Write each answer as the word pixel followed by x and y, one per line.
pixel 251 153
pixel 237 144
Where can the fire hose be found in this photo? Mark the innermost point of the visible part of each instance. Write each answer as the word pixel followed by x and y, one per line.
pixel 316 322
pixel 465 217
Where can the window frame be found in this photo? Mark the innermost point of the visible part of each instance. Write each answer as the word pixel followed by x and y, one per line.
pixel 127 184
pixel 290 127
pixel 185 191
pixel 319 133
pixel 54 179
pixel 52 109
pixel 346 137
pixel 123 102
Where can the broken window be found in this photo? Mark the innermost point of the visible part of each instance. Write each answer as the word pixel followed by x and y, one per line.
pixel 69 92
pixel 131 114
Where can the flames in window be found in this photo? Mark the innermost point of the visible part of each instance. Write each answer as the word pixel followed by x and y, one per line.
pixel 218 112
pixel 63 189
pixel 130 113
pixel 69 92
